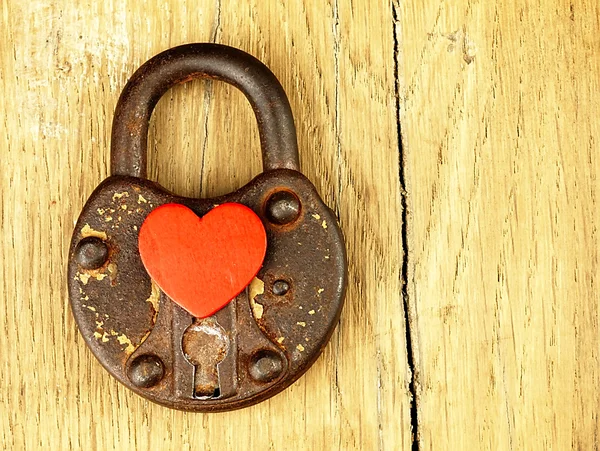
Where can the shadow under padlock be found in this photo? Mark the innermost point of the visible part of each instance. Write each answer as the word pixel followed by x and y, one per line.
pixel 212 358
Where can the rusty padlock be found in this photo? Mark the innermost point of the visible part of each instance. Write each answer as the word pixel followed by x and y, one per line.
pixel 274 330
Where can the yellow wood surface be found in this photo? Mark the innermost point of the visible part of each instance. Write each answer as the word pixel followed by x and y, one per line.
pixel 499 105
pixel 62 67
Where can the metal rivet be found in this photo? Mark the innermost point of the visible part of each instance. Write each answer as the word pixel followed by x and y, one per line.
pixel 146 371
pixel 265 366
pixel 283 207
pixel 280 287
pixel 91 252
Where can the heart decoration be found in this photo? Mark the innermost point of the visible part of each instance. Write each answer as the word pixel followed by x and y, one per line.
pixel 202 263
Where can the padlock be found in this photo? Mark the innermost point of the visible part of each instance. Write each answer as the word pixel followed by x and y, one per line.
pixel 269 334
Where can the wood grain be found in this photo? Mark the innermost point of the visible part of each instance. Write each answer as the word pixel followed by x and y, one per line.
pixel 62 66
pixel 498 112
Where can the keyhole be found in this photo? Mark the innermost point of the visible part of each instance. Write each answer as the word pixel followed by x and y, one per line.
pixel 205 344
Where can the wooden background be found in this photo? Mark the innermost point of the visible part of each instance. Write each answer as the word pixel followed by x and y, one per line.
pixel 472 313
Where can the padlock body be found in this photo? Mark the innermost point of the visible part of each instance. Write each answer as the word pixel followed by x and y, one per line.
pixel 253 348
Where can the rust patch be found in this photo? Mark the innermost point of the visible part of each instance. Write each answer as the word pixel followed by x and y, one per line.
pixel 112 272
pixel 84 278
pixel 154 300
pixel 257 287
pixel 88 231
pixel 117 196
pixel 124 340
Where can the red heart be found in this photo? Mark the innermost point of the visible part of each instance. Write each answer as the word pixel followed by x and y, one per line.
pixel 202 263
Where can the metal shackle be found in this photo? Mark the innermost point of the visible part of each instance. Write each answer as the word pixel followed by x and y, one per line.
pixel 178 65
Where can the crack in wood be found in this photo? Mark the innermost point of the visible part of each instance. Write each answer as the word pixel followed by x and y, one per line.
pixel 410 344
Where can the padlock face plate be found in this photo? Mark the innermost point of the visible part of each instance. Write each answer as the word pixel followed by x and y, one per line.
pixel 250 350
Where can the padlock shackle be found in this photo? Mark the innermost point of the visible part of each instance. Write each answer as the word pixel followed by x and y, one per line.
pixel 178 65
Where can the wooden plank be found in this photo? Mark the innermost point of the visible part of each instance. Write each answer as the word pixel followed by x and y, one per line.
pixel 499 104
pixel 62 66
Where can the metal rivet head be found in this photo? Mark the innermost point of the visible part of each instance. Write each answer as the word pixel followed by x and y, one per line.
pixel 280 287
pixel 283 207
pixel 265 366
pixel 91 252
pixel 146 371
